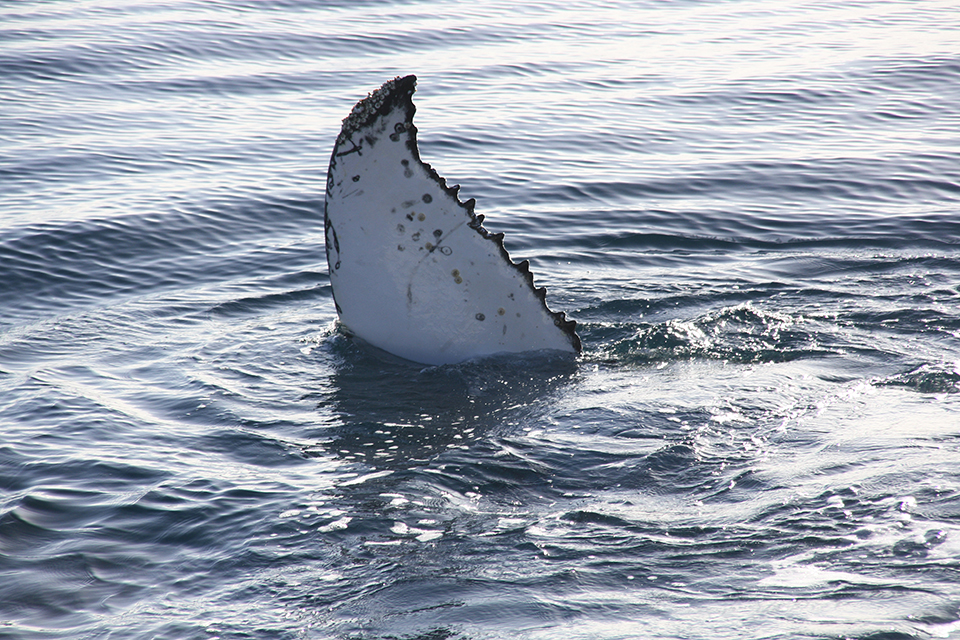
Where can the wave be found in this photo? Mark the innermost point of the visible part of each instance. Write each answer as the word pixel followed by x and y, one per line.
pixel 54 266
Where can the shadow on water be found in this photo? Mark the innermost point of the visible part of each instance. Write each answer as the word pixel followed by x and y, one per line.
pixel 397 414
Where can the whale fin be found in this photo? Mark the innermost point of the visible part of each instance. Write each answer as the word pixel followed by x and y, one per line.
pixel 412 268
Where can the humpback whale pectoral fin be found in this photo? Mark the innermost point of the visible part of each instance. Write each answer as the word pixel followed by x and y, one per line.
pixel 405 278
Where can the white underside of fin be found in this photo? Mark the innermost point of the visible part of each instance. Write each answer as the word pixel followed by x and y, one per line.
pixel 413 271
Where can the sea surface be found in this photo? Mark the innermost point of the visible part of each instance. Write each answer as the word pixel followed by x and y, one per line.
pixel 752 210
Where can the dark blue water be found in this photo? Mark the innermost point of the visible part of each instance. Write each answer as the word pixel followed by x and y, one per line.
pixel 751 209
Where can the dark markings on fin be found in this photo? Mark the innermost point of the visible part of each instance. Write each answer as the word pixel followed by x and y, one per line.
pixel 356 148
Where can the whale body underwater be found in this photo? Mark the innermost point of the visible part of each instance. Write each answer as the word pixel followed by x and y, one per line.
pixel 412 269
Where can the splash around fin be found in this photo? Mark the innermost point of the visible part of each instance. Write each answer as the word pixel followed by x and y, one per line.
pixel 412 268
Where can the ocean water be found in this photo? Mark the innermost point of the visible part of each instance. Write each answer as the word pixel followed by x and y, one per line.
pixel 752 209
